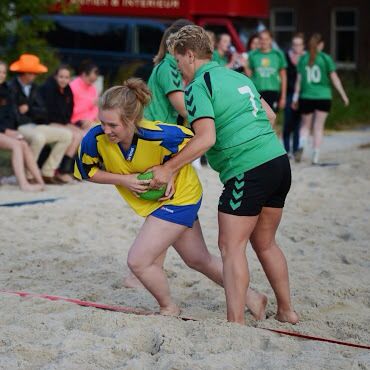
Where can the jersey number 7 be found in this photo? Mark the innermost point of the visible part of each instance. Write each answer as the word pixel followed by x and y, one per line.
pixel 247 90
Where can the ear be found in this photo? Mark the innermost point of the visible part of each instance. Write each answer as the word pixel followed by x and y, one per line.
pixel 190 55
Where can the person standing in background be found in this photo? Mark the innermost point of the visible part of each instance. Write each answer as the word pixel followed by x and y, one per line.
pixel 165 83
pixel 85 96
pixel 221 51
pixel 267 69
pixel 313 89
pixel 292 116
pixel 253 43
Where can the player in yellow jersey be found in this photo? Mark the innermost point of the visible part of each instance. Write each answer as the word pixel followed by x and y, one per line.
pixel 124 145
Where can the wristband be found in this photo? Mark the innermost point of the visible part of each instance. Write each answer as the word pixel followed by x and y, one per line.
pixel 295 97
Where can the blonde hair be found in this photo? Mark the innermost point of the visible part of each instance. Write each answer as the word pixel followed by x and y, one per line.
pixel 193 38
pixel 129 99
pixel 313 43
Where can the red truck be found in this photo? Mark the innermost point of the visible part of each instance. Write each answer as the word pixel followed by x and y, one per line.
pixel 207 13
pixel 122 36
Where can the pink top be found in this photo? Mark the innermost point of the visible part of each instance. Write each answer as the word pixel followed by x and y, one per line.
pixel 85 98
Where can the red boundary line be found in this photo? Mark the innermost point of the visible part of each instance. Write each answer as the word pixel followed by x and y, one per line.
pixel 135 311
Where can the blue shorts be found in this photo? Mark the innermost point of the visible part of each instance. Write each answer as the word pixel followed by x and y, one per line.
pixel 182 215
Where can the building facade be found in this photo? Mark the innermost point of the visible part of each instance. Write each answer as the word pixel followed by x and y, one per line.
pixel 344 25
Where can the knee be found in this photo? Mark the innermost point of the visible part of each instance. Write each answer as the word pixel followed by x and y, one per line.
pixel 38 139
pixel 24 146
pixel 230 250
pixel 262 246
pixel 67 136
pixel 77 136
pixel 197 262
pixel 135 264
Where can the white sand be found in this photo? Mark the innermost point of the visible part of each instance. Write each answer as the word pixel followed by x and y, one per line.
pixel 77 248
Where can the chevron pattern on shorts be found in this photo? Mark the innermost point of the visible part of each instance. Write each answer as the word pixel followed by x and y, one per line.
pixel 237 193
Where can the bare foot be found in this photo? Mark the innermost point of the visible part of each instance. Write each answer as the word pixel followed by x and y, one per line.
pixel 131 281
pixel 287 316
pixel 256 303
pixel 170 310
pixel 64 178
pixel 31 187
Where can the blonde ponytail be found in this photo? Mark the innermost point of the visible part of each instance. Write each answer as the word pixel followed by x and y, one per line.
pixel 130 100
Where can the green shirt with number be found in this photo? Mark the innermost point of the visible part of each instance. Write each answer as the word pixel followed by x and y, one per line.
pixel 265 69
pixel 244 136
pixel 315 79
pixel 165 79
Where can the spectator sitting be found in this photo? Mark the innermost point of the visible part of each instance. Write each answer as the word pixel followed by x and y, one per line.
pixel 10 139
pixel 85 96
pixel 31 118
pixel 58 98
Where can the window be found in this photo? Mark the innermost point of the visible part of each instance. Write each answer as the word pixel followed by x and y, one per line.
pixel 344 37
pixel 149 39
pixel 283 26
pixel 102 36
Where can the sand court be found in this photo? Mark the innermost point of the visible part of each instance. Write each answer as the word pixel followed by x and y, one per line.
pixel 77 246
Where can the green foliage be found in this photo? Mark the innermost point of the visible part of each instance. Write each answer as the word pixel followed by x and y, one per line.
pixel 358 111
pixel 19 36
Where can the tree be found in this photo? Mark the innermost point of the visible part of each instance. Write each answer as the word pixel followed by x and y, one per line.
pixel 22 28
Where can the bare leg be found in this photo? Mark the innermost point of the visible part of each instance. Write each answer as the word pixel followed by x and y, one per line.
pixel 304 133
pixel 154 238
pixel 318 128
pixel 318 132
pixel 234 233
pixel 131 281
pixel 273 261
pixel 15 146
pixel 193 250
pixel 31 163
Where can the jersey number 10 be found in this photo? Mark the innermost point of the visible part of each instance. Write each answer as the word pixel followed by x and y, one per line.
pixel 247 90
pixel 313 74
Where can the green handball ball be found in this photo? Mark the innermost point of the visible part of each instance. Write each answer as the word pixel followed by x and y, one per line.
pixel 151 194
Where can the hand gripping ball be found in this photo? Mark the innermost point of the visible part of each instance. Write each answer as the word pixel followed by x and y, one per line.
pixel 151 194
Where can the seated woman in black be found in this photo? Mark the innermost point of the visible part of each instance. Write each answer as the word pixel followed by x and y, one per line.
pixel 58 98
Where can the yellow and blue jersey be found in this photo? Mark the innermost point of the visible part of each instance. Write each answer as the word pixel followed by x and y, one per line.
pixel 153 144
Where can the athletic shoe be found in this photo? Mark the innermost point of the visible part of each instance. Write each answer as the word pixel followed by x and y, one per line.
pixel 315 156
pixel 298 155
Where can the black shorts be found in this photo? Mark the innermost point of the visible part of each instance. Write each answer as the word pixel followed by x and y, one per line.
pixel 264 186
pixel 271 98
pixel 307 106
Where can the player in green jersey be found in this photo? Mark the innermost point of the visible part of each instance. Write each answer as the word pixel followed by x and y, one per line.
pixel 267 69
pixel 231 124
pixel 220 53
pixel 166 84
pixel 316 72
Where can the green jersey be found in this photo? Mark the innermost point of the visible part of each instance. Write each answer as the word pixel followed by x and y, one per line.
pixel 315 79
pixel 221 60
pixel 265 69
pixel 165 79
pixel 244 136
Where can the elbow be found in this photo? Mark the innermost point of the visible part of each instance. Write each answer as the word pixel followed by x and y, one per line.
pixel 209 142
pixel 272 118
